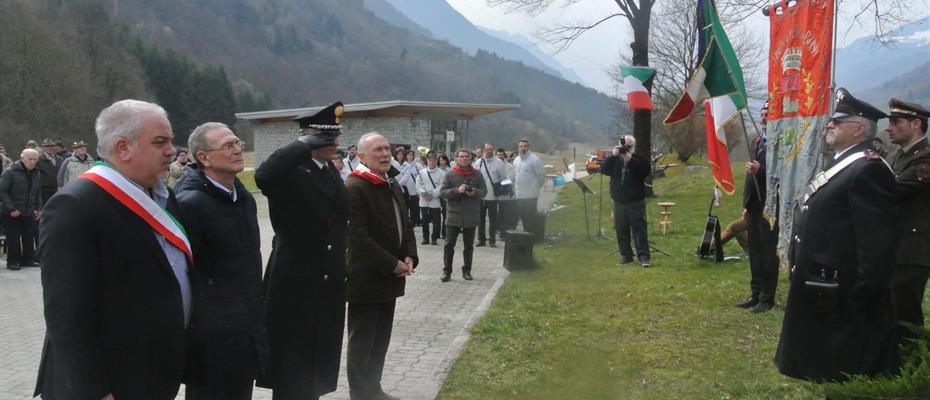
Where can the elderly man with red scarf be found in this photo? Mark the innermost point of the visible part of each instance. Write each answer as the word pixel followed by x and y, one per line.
pixel 463 189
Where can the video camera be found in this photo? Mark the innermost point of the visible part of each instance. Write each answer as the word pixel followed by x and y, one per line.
pixel 623 147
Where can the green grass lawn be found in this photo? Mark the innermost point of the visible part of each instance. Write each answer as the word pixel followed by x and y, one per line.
pixel 581 327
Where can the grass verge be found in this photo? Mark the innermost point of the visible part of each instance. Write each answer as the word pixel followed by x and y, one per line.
pixel 581 327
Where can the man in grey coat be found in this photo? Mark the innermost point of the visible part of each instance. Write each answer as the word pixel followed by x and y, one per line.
pixel 463 188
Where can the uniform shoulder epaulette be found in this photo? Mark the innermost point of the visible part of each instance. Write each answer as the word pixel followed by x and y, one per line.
pixel 872 155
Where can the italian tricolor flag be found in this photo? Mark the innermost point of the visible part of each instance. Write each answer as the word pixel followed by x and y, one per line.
pixel 718 111
pixel 636 94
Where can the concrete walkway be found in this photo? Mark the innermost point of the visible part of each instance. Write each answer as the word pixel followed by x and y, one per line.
pixel 430 327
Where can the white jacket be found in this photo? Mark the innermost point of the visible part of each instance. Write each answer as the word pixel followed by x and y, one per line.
pixel 496 172
pixel 529 175
pixel 430 181
pixel 351 165
pixel 408 177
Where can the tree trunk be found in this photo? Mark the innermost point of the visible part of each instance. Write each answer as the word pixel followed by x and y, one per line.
pixel 642 119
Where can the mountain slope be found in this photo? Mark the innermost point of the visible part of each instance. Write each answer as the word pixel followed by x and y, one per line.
pixel 911 86
pixel 308 52
pixel 867 64
pixel 531 47
pixel 445 23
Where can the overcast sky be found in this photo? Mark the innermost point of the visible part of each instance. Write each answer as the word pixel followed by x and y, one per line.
pixel 597 50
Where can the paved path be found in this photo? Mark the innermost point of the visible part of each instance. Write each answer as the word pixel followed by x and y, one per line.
pixel 431 322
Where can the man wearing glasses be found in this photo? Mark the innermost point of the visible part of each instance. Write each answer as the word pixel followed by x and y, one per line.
pixel 838 319
pixel 228 344
pixel 907 127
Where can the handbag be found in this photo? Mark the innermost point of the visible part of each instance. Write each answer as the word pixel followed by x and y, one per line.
pixel 499 190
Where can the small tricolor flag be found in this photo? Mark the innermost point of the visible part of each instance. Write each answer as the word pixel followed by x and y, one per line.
pixel 636 94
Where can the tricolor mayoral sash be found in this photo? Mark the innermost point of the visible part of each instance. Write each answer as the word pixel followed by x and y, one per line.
pixel 131 196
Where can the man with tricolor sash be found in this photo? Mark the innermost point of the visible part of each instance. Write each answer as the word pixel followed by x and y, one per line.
pixel 115 268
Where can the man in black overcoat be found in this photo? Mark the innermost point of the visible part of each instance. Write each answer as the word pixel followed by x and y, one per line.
pixel 228 345
pixel 116 290
pixel 763 236
pixel 838 317
pixel 907 127
pixel 306 280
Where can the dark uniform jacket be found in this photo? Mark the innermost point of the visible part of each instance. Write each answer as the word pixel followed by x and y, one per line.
pixel 633 187
pixel 20 190
pixel 113 310
pixel 374 244
pixel 754 201
pixel 49 167
pixel 912 170
pixel 227 333
pixel 463 210
pixel 305 280
pixel 848 227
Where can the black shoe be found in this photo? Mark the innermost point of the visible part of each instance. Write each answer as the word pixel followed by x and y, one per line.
pixel 446 277
pixel 624 261
pixel 751 302
pixel 29 264
pixel 762 307
pixel 480 244
pixel 492 244
pixel 13 267
pixel 433 242
pixel 467 276
pixel 644 262
pixel 424 242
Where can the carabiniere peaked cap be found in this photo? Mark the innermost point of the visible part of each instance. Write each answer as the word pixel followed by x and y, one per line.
pixel 847 105
pixel 326 119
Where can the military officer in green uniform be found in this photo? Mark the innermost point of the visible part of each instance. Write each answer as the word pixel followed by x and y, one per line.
pixel 907 127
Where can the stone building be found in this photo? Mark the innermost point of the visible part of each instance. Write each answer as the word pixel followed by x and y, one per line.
pixel 411 123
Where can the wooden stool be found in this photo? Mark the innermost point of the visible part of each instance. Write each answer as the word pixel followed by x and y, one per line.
pixel 666 214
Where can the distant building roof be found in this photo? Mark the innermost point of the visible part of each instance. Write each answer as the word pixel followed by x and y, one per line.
pixel 394 108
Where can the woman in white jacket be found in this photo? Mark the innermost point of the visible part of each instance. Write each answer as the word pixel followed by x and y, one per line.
pixel 408 179
pixel 429 182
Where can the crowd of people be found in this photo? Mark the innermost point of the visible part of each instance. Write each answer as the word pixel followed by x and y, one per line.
pixel 149 286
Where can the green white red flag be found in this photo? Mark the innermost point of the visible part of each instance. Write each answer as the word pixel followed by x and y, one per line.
pixel 718 73
pixel 634 79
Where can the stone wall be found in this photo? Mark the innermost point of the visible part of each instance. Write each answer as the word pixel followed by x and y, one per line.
pixel 270 136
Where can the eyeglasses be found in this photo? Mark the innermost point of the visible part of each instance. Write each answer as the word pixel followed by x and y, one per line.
pixel 837 121
pixel 238 145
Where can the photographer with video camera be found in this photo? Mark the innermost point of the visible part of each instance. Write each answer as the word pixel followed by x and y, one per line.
pixel 463 189
pixel 628 173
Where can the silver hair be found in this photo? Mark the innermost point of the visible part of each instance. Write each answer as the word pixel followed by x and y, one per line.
pixel 198 139
pixel 362 141
pixel 32 152
pixel 870 127
pixel 122 119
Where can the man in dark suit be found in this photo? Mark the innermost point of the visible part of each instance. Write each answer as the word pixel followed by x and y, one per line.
pixel 763 237
pixel 382 252
pixel 907 127
pixel 114 269
pixel 228 345
pixel 49 164
pixel 838 317
pixel 305 280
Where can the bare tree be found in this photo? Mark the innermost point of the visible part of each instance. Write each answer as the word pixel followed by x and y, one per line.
pixel 883 14
pixel 671 52
pixel 637 13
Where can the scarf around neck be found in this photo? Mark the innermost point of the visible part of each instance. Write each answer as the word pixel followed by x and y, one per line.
pixel 466 172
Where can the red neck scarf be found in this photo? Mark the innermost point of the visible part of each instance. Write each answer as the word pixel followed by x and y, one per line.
pixel 369 176
pixel 466 172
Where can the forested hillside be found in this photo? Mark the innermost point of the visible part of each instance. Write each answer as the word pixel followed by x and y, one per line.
pixel 257 53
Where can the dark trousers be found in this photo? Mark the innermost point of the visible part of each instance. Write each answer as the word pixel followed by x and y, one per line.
pixel 631 218
pixel 507 215
pixel 431 216
pixel 369 328
pixel 227 390
pixel 452 235
pixel 908 288
pixel 488 210
pixel 413 209
pixel 527 210
pixel 763 259
pixel 20 236
pixel 442 208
